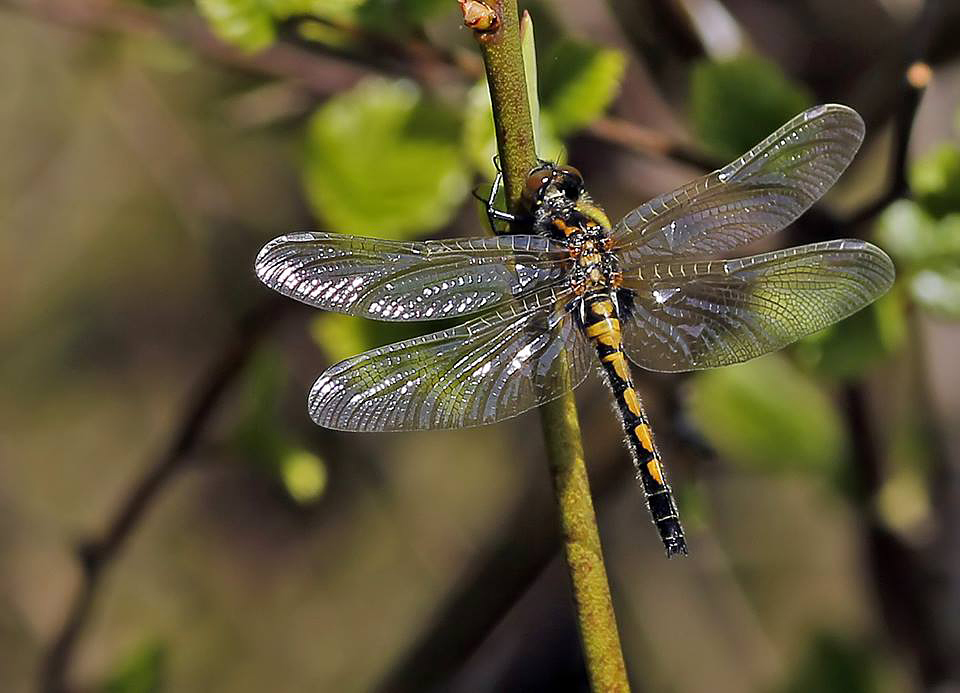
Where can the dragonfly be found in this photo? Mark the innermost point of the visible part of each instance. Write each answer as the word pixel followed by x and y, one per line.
pixel 567 293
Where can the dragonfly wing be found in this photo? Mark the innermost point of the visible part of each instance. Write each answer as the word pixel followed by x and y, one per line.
pixel 760 193
pixel 390 280
pixel 491 368
pixel 690 315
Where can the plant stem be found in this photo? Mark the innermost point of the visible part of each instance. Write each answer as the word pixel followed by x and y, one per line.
pixel 501 50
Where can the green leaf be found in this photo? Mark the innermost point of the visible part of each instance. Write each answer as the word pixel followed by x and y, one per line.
pixel 304 476
pixel 246 24
pixel 383 160
pixel 935 180
pixel 766 415
pixel 736 103
pixel 143 671
pixel 577 83
pixel 851 347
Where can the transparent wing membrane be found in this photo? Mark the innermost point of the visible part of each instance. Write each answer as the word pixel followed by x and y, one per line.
pixel 760 193
pixel 388 280
pixel 488 369
pixel 691 315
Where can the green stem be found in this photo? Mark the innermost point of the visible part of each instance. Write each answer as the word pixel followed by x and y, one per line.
pixel 500 47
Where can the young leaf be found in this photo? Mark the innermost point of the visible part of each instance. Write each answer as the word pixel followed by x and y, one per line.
pixel 257 436
pixel 578 82
pixel 915 239
pixel 383 160
pixel 246 24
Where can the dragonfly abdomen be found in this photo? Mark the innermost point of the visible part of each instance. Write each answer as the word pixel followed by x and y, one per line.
pixel 601 324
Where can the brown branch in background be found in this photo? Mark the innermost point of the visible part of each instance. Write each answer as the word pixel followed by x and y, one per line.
pixel 648 142
pixel 319 74
pixel 97 554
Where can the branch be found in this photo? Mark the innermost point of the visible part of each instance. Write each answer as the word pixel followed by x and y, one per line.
pixel 494 582
pixel 497 30
pixel 97 554
pixel 281 60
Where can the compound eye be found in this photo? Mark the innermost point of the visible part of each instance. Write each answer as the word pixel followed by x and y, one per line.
pixel 536 181
pixel 570 182
pixel 571 171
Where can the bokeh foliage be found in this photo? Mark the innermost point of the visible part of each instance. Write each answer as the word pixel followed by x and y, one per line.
pixel 395 157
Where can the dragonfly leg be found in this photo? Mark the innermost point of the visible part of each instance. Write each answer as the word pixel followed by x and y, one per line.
pixel 494 214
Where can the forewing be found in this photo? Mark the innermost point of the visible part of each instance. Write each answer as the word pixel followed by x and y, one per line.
pixel 692 315
pixel 389 280
pixel 491 368
pixel 760 193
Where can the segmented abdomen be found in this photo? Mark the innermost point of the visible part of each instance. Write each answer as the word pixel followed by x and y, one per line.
pixel 601 324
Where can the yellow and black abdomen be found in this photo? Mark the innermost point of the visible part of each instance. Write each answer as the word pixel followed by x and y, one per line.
pixel 601 324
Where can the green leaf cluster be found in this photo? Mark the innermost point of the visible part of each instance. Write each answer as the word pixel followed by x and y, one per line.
pixel 736 103
pixel 251 25
pixel 927 251
pixel 923 233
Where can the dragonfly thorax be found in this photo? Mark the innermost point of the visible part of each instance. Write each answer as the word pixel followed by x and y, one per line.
pixel 595 267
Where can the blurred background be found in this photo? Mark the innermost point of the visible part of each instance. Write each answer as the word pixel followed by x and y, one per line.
pixel 170 519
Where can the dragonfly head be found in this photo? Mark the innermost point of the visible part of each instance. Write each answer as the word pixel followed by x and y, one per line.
pixel 557 186
pixel 556 198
